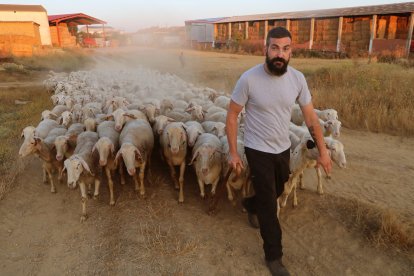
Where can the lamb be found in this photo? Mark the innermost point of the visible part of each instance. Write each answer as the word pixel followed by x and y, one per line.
pixel 173 143
pixel 325 115
pixel 66 144
pixel 179 116
pixel 213 109
pixel 107 146
pixel 216 128
pixel 329 127
pixel 83 167
pixel 136 141
pixel 304 151
pixel 193 129
pixel 44 149
pixel 206 159
pixel 236 182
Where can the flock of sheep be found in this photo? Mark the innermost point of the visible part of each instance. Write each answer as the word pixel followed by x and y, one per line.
pixel 108 121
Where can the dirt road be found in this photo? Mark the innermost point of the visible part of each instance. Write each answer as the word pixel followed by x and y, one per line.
pixel 41 234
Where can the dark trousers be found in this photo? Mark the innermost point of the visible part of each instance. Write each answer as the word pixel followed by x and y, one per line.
pixel 269 172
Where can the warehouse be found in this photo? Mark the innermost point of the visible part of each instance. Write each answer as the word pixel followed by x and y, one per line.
pixel 355 30
pixel 200 33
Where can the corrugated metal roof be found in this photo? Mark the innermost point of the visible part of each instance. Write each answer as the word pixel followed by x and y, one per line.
pixel 206 20
pixel 33 8
pixel 350 11
pixel 79 18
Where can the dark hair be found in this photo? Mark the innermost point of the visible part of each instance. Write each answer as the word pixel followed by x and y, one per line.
pixel 278 32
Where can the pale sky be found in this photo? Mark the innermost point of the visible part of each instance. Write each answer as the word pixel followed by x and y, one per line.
pixel 131 15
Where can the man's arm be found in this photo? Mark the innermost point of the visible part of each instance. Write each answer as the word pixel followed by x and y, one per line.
pixel 231 131
pixel 312 122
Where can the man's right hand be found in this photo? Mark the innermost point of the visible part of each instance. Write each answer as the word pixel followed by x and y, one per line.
pixel 236 163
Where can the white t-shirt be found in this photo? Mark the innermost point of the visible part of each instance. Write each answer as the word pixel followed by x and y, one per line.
pixel 268 102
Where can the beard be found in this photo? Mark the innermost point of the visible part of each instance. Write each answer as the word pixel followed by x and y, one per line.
pixel 276 69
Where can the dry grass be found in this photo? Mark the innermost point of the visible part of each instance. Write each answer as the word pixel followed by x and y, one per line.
pixel 375 97
pixel 383 228
pixel 13 118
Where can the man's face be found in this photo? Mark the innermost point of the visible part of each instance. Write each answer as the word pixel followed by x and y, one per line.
pixel 278 54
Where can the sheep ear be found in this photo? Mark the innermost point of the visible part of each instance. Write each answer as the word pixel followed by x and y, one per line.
pixel 170 119
pixel 60 120
pixel 112 148
pixel 93 149
pixel 132 116
pixel 53 115
pixel 22 135
pixel 85 166
pixel 138 154
pixel 108 117
pixel 194 157
pixel 189 109
pixel 37 140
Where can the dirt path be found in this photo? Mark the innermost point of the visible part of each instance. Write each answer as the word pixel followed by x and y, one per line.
pixel 41 233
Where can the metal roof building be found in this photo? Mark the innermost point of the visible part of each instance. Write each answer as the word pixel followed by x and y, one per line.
pixel 364 29
pixel 200 31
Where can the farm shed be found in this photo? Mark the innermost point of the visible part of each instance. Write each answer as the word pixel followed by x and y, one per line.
pixel 200 32
pixel 354 30
pixel 17 14
pixel 19 38
pixel 63 27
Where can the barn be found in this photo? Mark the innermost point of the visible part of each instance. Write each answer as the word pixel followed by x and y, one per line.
pixel 354 30
pixel 23 29
pixel 200 33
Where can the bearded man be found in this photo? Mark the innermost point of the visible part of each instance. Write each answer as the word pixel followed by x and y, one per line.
pixel 268 91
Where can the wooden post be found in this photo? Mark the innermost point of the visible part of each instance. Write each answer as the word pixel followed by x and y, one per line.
pixel 266 29
pixel 338 42
pixel 373 32
pixel 288 24
pixel 246 36
pixel 58 33
pixel 312 30
pixel 229 30
pixel 104 35
pixel 410 34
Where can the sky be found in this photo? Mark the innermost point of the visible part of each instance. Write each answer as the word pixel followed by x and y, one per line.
pixel 132 15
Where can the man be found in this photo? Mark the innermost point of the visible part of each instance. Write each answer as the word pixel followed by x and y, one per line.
pixel 268 91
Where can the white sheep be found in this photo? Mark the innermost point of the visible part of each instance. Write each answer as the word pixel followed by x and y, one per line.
pixel 206 159
pixel 136 144
pixel 216 128
pixel 83 166
pixel 193 129
pixel 173 143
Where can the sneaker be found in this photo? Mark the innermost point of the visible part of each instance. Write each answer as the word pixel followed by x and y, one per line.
pixel 277 268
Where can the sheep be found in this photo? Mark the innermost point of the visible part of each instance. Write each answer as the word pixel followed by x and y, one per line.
pixel 121 116
pixel 304 151
pixel 296 115
pixel 66 144
pixel 216 128
pixel 41 131
pixel 236 182
pixel 173 143
pixel 179 116
pixel 66 118
pixel 160 122
pixel 218 117
pixel 90 124
pixel 222 101
pixel 206 159
pixel 193 129
pixel 166 105
pixel 44 149
pixel 327 114
pixel 196 112
pixel 213 109
pixel 83 166
pixel 107 146
pixel 136 144
pixel 329 127
pixel 77 113
pixel 54 113
pixel 151 111
pixel 336 149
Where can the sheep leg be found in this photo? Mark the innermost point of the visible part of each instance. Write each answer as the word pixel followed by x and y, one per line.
pixel 141 180
pixel 229 192
pixel 149 174
pixel 48 168
pixel 60 175
pixel 97 185
pixel 82 187
pixel 111 186
pixel 44 174
pixel 181 180
pixel 288 188
pixel 121 173
pixel 201 185
pixel 173 175
pixel 319 188
pixel 90 189
pixel 295 198
pixel 301 185
pixel 214 186
pixel 135 177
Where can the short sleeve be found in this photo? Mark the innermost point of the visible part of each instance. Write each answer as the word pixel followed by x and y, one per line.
pixel 304 96
pixel 240 92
